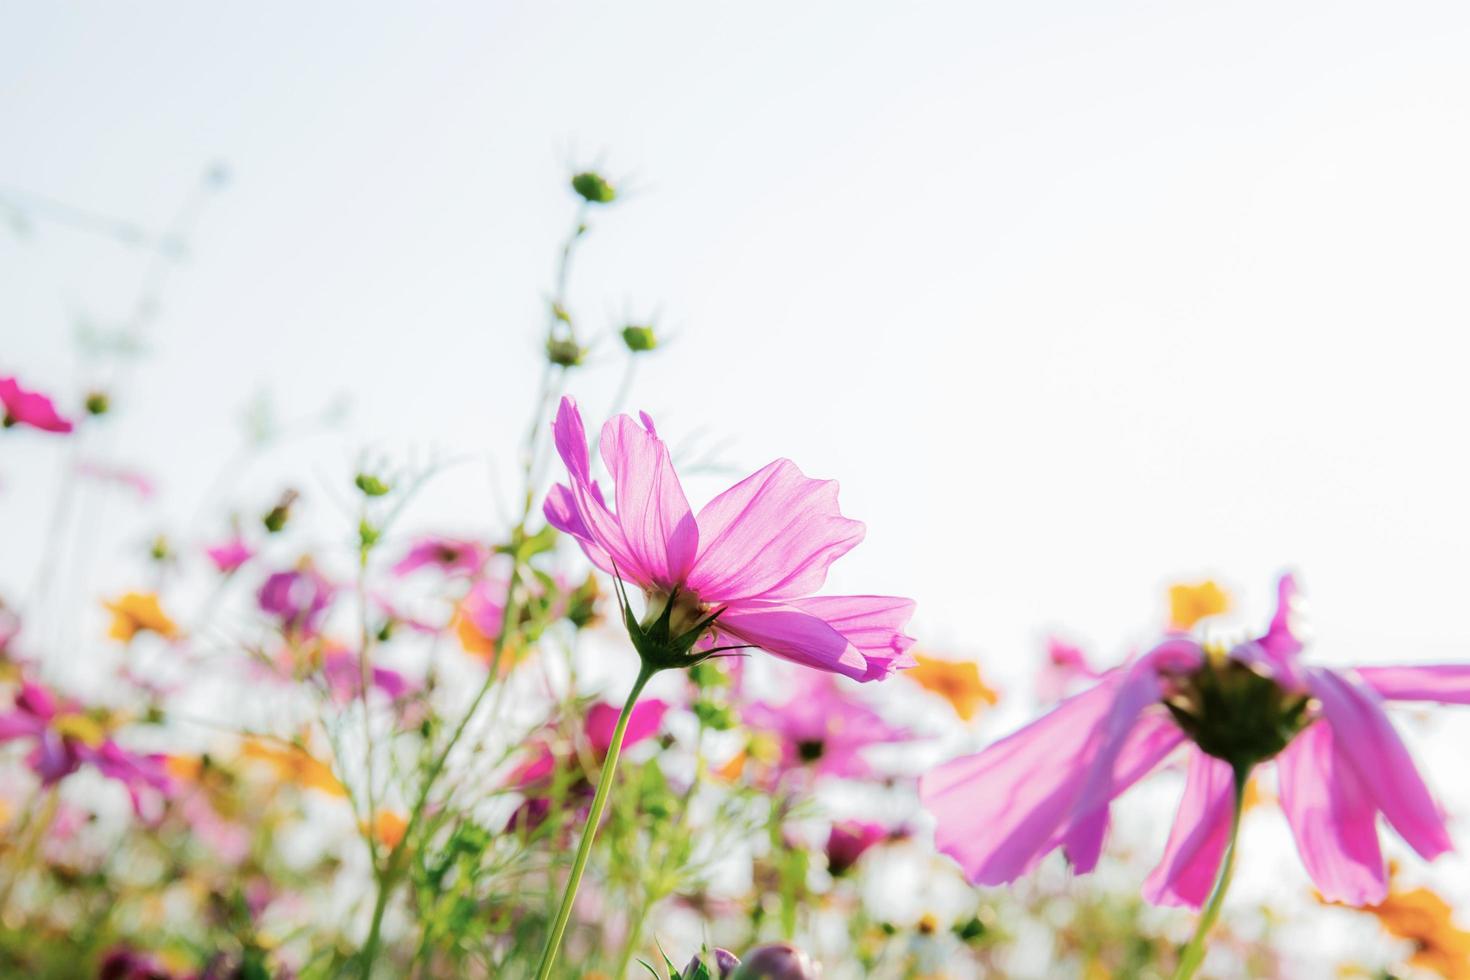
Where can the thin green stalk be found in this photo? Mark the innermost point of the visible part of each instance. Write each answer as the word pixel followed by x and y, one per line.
pixel 589 831
pixel 1194 953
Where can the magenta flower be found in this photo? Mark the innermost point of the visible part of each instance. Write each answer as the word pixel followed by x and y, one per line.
pixel 342 671
pixel 24 407
pixel 298 598
pixel 754 554
pixel 1340 765
pixel 65 739
pixel 229 555
pixel 823 729
pixel 452 556
pixel 849 840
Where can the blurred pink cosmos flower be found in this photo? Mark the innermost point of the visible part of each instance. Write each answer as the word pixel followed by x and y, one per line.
pixel 342 671
pixel 1340 765
pixel 135 480
pixel 229 555
pixel 755 553
pixel 24 407
pixel 66 739
pixel 298 598
pixel 849 840
pixel 452 556
pixel 823 729
pixel 1066 668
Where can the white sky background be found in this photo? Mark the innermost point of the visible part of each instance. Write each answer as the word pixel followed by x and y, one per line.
pixel 1075 299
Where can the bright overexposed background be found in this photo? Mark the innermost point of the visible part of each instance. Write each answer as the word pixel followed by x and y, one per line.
pixel 1076 299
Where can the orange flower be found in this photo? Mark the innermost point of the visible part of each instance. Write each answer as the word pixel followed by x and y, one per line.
pixel 958 682
pixel 389 828
pixel 294 764
pixel 136 612
pixel 1426 920
pixel 1188 604
pixel 183 768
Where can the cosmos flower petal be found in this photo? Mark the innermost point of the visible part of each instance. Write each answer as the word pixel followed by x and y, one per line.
pixel 797 636
pixel 643 723
pixel 595 525
pixel 1367 739
pixel 1445 683
pixel 560 510
pixel 873 624
pixel 999 811
pixel 1186 873
pixel 1332 817
pixel 1139 689
pixel 652 510
pixel 771 536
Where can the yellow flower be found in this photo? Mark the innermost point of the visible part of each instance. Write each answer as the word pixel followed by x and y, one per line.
pixel 958 682
pixel 1188 604
pixel 83 728
pixel 135 612
pixel 1426 920
pixel 294 764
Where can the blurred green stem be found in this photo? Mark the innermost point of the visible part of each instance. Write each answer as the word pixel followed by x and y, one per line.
pixel 589 831
pixel 1194 953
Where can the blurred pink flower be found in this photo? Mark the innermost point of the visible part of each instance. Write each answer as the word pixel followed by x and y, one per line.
pixel 229 555
pixel 823 729
pixel 343 673
pixel 66 739
pixel 755 553
pixel 135 480
pixel 849 840
pixel 1340 766
pixel 298 598
pixel 31 408
pixel 452 556
pixel 1066 668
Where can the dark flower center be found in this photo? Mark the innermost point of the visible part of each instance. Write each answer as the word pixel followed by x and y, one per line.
pixel 810 749
pixel 1236 713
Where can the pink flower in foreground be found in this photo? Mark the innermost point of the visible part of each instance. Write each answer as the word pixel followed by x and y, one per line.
pixel 452 556
pixel 753 555
pixel 1340 765
pixel 66 739
pixel 823 729
pixel 229 555
pixel 24 407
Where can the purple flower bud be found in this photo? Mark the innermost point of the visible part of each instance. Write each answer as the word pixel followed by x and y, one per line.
pixel 781 961
pixel 724 966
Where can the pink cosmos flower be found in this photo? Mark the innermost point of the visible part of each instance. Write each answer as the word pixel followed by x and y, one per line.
pixel 755 553
pixel 452 556
pixel 66 739
pixel 135 480
pixel 1066 668
pixel 31 408
pixel 534 776
pixel 298 598
pixel 1340 765
pixel 849 840
pixel 823 729
pixel 342 671
pixel 229 555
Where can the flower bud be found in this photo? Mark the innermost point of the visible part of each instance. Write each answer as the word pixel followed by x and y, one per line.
pixel 780 961
pixel 370 485
pixel 275 519
pixel 593 188
pixel 639 339
pixel 722 964
pixel 97 403
pixel 565 352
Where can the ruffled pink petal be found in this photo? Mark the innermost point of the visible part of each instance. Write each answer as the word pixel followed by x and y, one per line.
pixel 1140 689
pixel 23 407
pixel 1332 818
pixel 771 536
pixel 598 530
pixel 643 723
pixel 653 512
pixel 1366 738
pixel 998 812
pixel 20 724
pixel 874 624
pixel 1445 683
pixel 794 635
pixel 1186 873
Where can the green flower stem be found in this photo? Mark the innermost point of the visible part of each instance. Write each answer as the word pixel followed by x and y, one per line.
pixel 1194 953
pixel 589 832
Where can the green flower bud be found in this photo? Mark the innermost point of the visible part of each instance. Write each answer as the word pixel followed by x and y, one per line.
pixel 370 485
pixel 593 188
pixel 565 353
pixel 98 403
pixel 639 339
